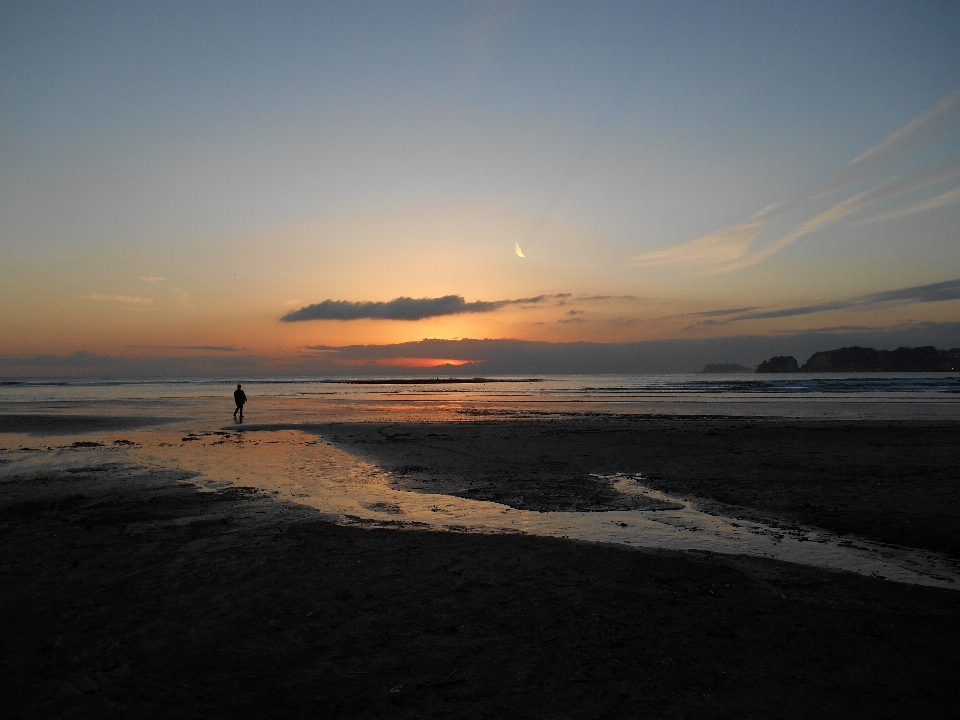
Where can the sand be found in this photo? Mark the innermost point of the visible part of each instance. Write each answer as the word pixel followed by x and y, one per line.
pixel 47 424
pixel 130 592
pixel 895 482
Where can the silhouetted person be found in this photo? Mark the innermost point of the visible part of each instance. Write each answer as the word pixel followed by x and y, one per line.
pixel 240 397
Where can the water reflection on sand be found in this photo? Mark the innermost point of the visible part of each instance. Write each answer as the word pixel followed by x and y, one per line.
pixel 305 468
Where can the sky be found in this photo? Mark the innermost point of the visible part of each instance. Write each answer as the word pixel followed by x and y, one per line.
pixel 273 181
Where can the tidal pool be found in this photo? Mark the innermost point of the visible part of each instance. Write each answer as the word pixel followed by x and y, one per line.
pixel 305 468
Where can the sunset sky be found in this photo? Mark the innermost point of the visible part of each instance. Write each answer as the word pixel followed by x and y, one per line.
pixel 203 178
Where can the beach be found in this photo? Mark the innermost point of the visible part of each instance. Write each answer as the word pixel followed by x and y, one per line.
pixel 139 588
pixel 485 359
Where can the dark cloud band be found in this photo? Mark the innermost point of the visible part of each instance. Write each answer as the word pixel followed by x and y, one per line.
pixel 935 292
pixel 401 308
pixel 204 348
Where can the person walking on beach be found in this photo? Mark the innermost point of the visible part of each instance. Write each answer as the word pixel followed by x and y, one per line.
pixel 240 397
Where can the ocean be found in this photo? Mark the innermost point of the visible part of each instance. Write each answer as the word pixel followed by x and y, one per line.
pixel 290 400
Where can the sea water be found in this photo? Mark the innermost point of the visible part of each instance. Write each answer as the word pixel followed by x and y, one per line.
pixel 860 395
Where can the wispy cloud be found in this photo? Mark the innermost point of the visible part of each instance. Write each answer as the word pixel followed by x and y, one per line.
pixel 402 308
pixel 573 316
pixel 152 279
pixel 736 247
pixel 125 299
pixel 922 130
pixel 711 313
pixel 517 250
pixel 947 198
pixel 935 292
pixel 716 249
pixel 600 298
pixel 923 177
pixel 204 348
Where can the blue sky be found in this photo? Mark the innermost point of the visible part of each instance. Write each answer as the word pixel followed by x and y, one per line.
pixel 186 174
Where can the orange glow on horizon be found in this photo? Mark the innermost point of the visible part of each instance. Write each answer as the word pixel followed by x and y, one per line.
pixel 409 362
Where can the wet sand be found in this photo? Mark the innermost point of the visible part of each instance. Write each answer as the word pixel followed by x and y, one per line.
pixel 129 592
pixel 894 482
pixel 40 424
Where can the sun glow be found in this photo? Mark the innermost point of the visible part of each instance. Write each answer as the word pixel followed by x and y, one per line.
pixel 409 362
